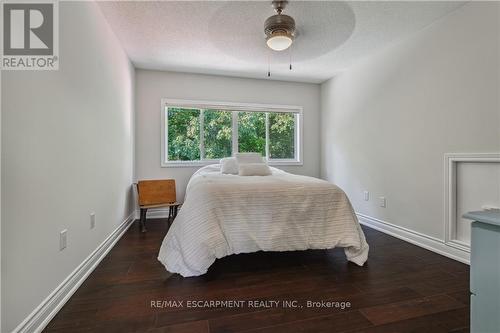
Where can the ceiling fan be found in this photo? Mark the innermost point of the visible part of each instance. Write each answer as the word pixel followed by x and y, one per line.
pixel 279 28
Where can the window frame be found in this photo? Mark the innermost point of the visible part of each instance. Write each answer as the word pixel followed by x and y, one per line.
pixel 231 106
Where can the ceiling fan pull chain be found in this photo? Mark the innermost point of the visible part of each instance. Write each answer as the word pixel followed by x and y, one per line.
pixel 268 64
pixel 290 57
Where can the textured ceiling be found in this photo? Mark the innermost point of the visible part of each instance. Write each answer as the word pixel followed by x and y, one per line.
pixel 227 38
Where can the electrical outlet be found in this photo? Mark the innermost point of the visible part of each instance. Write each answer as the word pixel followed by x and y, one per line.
pixel 63 241
pixel 366 195
pixel 92 220
pixel 383 202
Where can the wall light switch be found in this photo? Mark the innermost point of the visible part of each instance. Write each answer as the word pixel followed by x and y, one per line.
pixel 383 202
pixel 92 220
pixel 366 195
pixel 63 239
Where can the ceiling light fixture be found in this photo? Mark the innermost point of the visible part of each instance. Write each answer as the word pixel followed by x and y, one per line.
pixel 279 28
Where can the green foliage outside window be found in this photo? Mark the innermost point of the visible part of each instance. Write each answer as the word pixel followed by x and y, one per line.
pixel 218 133
pixel 281 135
pixel 252 132
pixel 183 134
pixel 184 144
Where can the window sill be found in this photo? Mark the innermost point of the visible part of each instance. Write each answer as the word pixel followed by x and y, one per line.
pixel 199 164
pixel 285 163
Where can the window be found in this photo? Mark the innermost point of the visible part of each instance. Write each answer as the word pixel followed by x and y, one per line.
pixel 252 132
pixel 183 134
pixel 217 134
pixel 197 133
pixel 281 135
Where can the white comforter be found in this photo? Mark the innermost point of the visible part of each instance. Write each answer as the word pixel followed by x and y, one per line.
pixel 228 214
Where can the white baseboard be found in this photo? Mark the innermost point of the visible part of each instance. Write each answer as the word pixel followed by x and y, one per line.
pixel 43 314
pixel 154 213
pixel 414 237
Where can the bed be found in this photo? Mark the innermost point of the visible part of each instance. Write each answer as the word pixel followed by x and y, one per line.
pixel 229 214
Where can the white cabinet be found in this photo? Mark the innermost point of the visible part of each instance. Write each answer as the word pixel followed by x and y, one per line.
pixel 485 271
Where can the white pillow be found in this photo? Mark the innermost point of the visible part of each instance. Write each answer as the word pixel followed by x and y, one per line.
pixel 229 165
pixel 254 169
pixel 249 158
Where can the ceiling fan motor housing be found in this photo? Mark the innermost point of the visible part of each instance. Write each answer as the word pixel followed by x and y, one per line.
pixel 279 24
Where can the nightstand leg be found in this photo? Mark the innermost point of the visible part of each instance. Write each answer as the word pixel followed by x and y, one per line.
pixel 142 221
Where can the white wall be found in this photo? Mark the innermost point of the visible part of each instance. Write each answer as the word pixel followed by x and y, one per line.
pixel 67 151
pixel 388 121
pixel 477 185
pixel 152 86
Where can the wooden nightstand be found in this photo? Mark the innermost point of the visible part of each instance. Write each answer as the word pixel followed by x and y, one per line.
pixel 157 194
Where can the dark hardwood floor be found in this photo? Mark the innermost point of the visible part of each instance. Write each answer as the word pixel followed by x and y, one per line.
pixel 402 288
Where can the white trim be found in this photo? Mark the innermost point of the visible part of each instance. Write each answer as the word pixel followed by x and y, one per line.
pixel 450 192
pixel 299 132
pixel 427 242
pixel 199 164
pixel 184 164
pixel 43 313
pixel 163 135
pixel 231 106
pixel 266 148
pixel 154 213
pixel 202 134
pixel 275 162
pixel 234 129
